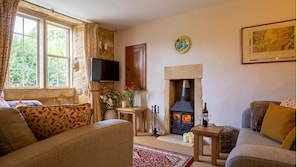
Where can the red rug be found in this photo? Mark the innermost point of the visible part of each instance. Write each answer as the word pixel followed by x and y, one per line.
pixel 144 156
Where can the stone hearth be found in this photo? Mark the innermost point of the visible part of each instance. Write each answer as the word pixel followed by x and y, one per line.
pixel 173 76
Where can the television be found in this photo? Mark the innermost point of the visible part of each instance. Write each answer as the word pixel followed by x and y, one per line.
pixel 104 70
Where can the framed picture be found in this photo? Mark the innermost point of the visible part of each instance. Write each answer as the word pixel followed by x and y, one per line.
pixel 273 42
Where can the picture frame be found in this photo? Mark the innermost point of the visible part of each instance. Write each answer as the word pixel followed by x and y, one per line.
pixel 272 42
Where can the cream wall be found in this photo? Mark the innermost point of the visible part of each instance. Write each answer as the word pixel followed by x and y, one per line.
pixel 228 86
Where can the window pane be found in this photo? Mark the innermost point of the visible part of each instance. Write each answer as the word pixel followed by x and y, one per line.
pixel 23 58
pixel 57 40
pixel 18 25
pixel 16 60
pixel 30 44
pixel 30 61
pixel 15 78
pixel 30 27
pixel 30 77
pixel 17 42
pixel 57 72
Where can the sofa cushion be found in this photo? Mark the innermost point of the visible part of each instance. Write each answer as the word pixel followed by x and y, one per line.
pixel 249 136
pixel 14 131
pixel 258 110
pixel 289 140
pixel 46 121
pixel 278 122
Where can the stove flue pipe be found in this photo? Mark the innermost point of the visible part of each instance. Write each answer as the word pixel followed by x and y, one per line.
pixel 185 91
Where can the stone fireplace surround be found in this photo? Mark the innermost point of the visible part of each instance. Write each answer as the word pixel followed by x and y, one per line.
pixel 173 76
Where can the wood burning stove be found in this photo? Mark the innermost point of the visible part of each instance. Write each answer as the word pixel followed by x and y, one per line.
pixel 182 112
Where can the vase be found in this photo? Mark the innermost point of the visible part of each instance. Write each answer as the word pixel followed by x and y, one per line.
pixel 110 114
pixel 131 101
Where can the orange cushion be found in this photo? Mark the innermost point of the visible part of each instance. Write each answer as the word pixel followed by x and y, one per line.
pixel 278 122
pixel 46 121
pixel 289 140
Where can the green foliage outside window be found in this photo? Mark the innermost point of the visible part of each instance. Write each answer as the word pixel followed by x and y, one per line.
pixel 24 59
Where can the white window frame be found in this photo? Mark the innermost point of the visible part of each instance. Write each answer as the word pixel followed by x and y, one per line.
pixel 46 55
pixel 42 54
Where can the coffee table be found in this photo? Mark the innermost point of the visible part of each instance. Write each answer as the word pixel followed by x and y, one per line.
pixel 211 131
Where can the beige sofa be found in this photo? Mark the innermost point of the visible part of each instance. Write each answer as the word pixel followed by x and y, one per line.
pixel 105 143
pixel 254 149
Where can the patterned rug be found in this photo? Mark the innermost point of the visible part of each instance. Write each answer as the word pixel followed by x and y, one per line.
pixel 144 156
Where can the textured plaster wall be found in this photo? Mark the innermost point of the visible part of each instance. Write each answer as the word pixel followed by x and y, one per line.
pixel 228 86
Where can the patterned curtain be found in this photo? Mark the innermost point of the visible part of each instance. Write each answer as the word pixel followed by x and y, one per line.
pixel 92 50
pixel 8 9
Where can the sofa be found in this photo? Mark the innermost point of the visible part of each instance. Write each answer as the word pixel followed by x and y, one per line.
pixel 104 143
pixel 257 148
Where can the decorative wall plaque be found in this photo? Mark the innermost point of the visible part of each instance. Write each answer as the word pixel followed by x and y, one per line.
pixel 182 44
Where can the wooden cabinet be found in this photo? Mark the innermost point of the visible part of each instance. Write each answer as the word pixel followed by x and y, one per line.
pixel 136 65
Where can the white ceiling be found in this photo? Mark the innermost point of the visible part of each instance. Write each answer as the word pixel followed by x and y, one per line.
pixel 119 14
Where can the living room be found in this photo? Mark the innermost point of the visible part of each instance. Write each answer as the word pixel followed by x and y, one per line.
pixel 228 86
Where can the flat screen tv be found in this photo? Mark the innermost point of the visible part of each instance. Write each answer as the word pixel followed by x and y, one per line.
pixel 104 70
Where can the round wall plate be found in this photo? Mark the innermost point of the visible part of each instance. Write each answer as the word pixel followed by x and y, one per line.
pixel 182 44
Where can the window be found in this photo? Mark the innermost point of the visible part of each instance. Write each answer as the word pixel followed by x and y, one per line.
pixel 23 66
pixel 57 56
pixel 40 54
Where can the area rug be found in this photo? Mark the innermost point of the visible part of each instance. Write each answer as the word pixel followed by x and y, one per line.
pixel 144 156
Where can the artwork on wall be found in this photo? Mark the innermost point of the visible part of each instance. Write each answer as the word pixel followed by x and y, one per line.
pixel 182 44
pixel 273 42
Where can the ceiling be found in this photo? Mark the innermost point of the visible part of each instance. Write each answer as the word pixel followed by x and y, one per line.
pixel 119 14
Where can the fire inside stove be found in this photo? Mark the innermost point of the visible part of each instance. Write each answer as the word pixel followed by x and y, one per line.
pixel 176 118
pixel 186 119
pixel 182 113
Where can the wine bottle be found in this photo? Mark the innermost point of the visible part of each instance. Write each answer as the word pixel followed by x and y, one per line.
pixel 205 116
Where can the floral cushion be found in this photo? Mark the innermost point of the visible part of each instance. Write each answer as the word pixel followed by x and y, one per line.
pixel 46 121
pixel 286 102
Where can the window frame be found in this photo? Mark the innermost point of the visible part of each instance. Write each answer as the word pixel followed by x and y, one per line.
pixel 42 56
pixel 46 55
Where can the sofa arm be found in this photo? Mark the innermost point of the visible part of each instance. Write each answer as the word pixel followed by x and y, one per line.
pixel 247 155
pixel 246 118
pixel 105 143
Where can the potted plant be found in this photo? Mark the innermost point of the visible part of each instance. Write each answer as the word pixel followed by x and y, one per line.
pixel 130 91
pixel 111 98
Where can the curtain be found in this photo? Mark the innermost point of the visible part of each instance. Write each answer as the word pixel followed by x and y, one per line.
pixel 8 9
pixel 91 41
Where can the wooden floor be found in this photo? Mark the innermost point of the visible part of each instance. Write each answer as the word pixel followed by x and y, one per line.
pixel 147 139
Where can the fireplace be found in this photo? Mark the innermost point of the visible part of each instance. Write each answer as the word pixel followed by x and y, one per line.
pixel 182 112
pixel 174 76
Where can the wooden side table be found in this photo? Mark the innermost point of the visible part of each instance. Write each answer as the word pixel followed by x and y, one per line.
pixel 211 131
pixel 134 111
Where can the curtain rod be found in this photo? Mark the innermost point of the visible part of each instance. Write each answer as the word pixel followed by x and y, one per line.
pixel 52 10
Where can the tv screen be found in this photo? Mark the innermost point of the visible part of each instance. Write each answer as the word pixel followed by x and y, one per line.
pixel 104 70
